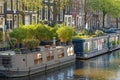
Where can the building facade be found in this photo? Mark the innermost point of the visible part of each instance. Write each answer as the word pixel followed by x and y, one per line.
pixel 14 13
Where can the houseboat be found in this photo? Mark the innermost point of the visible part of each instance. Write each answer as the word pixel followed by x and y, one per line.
pixel 14 64
pixel 91 47
pixel 87 48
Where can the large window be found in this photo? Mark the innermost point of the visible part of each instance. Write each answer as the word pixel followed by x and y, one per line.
pixel 60 53
pixel 9 21
pixel 95 44
pixel 50 55
pixel 70 51
pixel 38 58
pixel 6 62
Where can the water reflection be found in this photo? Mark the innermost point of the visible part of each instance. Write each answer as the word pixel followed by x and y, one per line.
pixel 105 67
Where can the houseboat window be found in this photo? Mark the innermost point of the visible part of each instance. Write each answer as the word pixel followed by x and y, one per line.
pixel 38 58
pixel 6 62
pixel 86 47
pixel 100 44
pixel 60 53
pixel 50 55
pixel 95 44
pixel 70 51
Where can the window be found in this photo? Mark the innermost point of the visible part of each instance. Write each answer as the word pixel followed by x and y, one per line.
pixel 46 13
pixel 9 5
pixel 38 58
pixel 6 62
pixel 9 21
pixel 1 9
pixel 60 53
pixel 61 15
pixel 46 0
pixel 34 18
pixel 50 55
pixel 40 14
pixel 14 5
pixel 51 13
pixel 70 51
pixel 15 20
pixel 20 5
pixel 1 21
pixel 27 20
pixel 95 44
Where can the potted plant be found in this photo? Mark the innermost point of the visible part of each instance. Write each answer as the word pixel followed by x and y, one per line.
pixel 19 34
pixel 65 33
pixel 17 50
pixel 13 42
pixel 31 44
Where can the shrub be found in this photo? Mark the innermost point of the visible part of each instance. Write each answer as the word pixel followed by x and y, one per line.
pixel 65 33
pixel 31 43
pixel 99 33
pixel 13 42
pixel 42 32
pixel 18 33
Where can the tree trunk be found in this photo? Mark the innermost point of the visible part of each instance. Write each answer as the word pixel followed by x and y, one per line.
pixel 103 20
pixel 85 17
pixel 116 22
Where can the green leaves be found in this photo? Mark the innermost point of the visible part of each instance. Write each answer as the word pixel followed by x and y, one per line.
pixel 65 33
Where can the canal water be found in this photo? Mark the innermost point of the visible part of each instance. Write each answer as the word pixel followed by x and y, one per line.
pixel 105 67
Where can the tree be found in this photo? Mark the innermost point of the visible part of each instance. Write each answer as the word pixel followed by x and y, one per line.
pixel 58 5
pixel 110 7
pixel 29 5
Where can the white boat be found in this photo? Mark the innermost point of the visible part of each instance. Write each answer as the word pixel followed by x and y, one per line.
pixel 16 65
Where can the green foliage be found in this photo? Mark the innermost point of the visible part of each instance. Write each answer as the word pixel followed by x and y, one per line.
pixel 99 33
pixel 13 42
pixel 65 33
pixel 118 42
pixel 16 49
pixel 110 7
pixel 18 33
pixel 1 36
pixel 43 32
pixel 113 43
pixel 31 43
